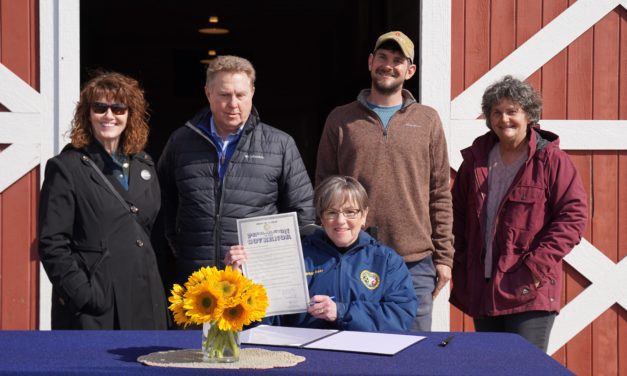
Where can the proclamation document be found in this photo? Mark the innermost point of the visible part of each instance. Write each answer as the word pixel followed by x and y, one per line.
pixel 275 260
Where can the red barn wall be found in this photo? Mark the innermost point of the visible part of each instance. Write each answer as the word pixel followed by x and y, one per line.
pixel 19 263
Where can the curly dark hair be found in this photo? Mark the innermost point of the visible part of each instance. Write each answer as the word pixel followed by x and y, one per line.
pixel 517 91
pixel 121 89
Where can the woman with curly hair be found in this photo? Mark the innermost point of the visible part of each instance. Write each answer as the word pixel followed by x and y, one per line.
pixel 519 207
pixel 99 200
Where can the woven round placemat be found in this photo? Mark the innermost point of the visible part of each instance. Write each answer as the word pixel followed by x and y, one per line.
pixel 253 358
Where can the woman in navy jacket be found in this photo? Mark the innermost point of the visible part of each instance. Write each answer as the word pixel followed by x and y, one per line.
pixel 356 283
pixel 98 203
pixel 519 207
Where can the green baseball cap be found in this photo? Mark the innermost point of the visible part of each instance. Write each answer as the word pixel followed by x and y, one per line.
pixel 403 41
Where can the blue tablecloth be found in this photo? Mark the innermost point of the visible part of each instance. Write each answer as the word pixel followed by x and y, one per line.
pixel 109 352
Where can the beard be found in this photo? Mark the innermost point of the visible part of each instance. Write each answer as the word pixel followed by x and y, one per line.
pixel 385 89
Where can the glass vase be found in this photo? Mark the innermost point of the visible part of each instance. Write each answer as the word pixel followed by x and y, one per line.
pixel 219 346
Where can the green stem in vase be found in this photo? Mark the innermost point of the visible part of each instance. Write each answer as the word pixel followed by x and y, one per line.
pixel 221 344
pixel 210 341
pixel 206 340
pixel 232 342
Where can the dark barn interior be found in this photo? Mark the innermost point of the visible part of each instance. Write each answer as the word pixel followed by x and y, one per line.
pixel 309 56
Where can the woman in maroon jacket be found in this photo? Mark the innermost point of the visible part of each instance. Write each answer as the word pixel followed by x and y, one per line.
pixel 519 207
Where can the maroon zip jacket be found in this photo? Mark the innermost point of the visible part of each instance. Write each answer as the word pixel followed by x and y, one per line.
pixel 540 219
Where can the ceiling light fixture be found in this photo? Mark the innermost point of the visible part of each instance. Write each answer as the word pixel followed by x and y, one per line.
pixel 211 54
pixel 214 27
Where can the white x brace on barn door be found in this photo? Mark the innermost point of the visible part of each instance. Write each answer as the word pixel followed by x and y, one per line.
pixel 21 127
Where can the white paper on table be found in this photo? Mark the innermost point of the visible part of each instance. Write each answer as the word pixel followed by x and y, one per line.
pixel 283 335
pixel 275 260
pixel 365 342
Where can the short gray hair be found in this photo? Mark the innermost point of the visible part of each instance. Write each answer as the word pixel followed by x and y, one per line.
pixel 231 64
pixel 339 189
pixel 517 91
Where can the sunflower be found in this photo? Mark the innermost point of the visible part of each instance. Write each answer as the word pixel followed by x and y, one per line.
pixel 233 318
pixel 231 283
pixel 203 302
pixel 224 297
pixel 255 301
pixel 251 307
pixel 201 275
pixel 177 305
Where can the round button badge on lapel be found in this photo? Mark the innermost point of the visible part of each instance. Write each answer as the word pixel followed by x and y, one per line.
pixel 145 174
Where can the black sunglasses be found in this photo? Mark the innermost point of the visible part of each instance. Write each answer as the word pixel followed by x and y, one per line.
pixel 116 108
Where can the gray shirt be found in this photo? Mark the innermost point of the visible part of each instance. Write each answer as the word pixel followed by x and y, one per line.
pixel 500 178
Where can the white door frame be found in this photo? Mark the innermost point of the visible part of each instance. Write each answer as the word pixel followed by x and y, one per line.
pixel 59 31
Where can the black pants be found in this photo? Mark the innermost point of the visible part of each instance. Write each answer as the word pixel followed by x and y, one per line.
pixel 534 326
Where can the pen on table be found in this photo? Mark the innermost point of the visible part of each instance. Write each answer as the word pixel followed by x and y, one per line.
pixel 332 297
pixel 446 341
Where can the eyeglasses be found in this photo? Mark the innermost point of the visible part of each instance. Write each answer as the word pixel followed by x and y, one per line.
pixel 116 108
pixel 334 214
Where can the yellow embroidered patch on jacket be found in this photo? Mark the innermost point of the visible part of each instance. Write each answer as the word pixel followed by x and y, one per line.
pixel 370 279
pixel 312 273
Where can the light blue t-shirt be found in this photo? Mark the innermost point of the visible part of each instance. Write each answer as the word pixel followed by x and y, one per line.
pixel 384 113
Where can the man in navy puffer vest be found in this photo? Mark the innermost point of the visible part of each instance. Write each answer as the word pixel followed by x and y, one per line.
pixel 226 164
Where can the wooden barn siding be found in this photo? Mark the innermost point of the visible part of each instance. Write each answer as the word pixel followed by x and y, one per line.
pixel 19 263
pixel 579 83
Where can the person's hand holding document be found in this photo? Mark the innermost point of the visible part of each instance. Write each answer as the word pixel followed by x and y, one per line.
pixel 270 253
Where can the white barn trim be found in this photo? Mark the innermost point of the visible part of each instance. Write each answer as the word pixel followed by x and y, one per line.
pixel 59 28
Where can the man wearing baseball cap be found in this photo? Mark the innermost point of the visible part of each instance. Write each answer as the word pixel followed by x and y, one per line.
pixel 396 148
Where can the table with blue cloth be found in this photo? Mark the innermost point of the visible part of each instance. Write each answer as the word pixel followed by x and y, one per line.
pixel 110 352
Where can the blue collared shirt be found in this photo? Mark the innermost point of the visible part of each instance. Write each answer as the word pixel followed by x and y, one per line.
pixel 116 164
pixel 120 166
pixel 225 148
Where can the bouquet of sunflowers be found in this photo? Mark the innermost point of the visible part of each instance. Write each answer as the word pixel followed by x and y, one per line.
pixel 226 300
